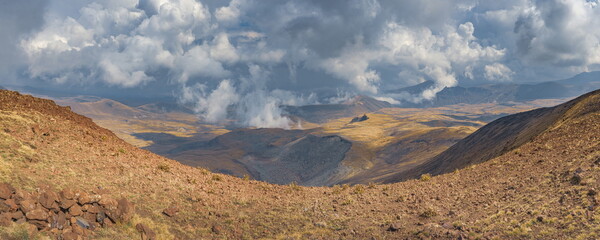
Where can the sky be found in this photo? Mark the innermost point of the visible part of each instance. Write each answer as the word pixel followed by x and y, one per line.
pixel 256 55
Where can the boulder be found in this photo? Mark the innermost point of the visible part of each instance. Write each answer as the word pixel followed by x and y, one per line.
pixel 82 222
pixel 18 215
pixel 37 214
pixel 11 204
pixel 107 222
pixel 49 199
pixel 125 210
pixel 39 224
pixel 71 236
pixel 59 221
pixel 4 207
pixel 172 211
pixel 75 210
pixel 216 229
pixel 5 219
pixel 67 203
pixel 6 190
pixel 28 205
pixel 395 227
pixel 83 198
pixel 90 217
pixel 108 203
pixel 145 232
pixel 21 195
pixel 91 208
pixel 100 217
pixel 67 194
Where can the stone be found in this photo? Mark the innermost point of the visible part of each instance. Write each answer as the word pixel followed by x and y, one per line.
pixel 83 223
pixel 90 217
pixel 17 215
pixel 216 229
pixel 145 231
pixel 21 195
pixel 359 119
pixel 125 210
pixel 59 221
pixel 37 214
pixel 171 211
pixel 53 233
pixel 100 217
pixel 107 222
pixel 91 208
pixel 67 194
pixel 31 229
pixel 6 190
pixel 83 198
pixel 95 198
pixel 12 204
pixel 108 203
pixel 71 236
pixel 3 207
pixel 67 203
pixel 540 218
pixel 39 224
pixel 75 210
pixel 394 227
pixel 77 229
pixel 576 179
pixel 28 206
pixel 5 219
pixel 48 199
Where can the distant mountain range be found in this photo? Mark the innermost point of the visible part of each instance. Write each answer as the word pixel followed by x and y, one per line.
pixel 507 92
pixel 356 106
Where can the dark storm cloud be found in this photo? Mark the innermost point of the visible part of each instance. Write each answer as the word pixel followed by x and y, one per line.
pixel 258 54
pixel 17 18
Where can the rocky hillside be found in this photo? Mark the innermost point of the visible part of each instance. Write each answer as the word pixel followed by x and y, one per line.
pixel 544 189
pixel 502 136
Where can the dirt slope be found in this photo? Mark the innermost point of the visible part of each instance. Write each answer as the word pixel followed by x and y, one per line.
pixel 544 189
pixel 499 137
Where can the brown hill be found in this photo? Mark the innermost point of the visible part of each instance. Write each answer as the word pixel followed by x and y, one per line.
pixel 502 136
pixel 544 189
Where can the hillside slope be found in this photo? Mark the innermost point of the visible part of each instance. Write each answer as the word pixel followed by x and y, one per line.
pixel 501 136
pixel 544 189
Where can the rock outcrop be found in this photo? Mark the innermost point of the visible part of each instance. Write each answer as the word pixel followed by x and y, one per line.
pixel 66 214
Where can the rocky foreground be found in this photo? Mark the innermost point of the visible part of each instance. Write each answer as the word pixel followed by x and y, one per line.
pixel 64 215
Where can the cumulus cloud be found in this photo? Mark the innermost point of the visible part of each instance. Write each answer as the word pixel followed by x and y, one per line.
pixel 497 72
pixel 559 33
pixel 250 57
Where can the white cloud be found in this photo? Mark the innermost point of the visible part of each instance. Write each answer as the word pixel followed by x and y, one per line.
pixel 498 72
pixel 356 45
pixel 230 13
pixel 222 50
pixel 559 33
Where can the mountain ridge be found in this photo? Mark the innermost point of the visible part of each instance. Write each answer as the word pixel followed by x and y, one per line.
pixel 502 135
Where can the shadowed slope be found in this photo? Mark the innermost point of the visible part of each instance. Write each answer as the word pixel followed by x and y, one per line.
pixel 503 135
